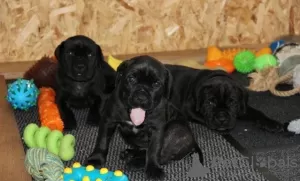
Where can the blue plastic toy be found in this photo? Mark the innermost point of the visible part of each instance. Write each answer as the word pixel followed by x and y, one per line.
pixel 276 44
pixel 22 94
pixel 89 173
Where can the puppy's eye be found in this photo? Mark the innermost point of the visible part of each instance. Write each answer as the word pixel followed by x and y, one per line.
pixel 156 84
pixel 131 79
pixel 90 54
pixel 70 53
pixel 212 103
pixel 231 100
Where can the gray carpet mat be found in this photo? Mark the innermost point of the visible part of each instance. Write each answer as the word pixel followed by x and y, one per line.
pixel 225 163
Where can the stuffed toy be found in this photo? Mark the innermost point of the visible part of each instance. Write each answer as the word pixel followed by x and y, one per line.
pixel 42 72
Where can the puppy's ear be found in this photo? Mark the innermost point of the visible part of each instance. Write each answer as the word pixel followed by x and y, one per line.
pixel 58 50
pixel 243 103
pixel 168 83
pixel 121 69
pixel 199 94
pixel 100 58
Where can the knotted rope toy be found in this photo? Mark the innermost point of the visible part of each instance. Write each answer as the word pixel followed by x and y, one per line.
pixel 43 165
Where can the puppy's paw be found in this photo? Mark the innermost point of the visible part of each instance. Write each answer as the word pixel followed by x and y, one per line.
pixel 154 172
pixel 292 128
pixel 69 121
pixel 97 160
pixel 93 119
pixel 136 164
pixel 127 154
pixel 70 126
pixel 275 128
pixel 271 126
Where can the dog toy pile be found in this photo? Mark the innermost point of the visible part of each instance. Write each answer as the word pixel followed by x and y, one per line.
pixel 22 94
pixel 42 72
pixel 54 141
pixel 43 165
pixel 285 70
pixel 48 111
pixel 239 59
pixel 79 173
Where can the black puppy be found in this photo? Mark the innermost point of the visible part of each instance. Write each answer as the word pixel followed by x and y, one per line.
pixel 148 123
pixel 82 78
pixel 213 98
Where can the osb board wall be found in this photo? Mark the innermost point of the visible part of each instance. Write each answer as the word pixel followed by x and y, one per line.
pixel 30 29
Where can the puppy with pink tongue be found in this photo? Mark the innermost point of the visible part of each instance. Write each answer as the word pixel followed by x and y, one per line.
pixel 137 116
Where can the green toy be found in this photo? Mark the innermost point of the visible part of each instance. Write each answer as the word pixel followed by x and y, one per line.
pixel 244 61
pixel 54 141
pixel 265 61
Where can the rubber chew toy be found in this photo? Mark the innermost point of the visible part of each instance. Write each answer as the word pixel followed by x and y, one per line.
pixel 55 142
pixel 225 64
pixel 48 111
pixel 89 173
pixel 22 94
pixel 244 62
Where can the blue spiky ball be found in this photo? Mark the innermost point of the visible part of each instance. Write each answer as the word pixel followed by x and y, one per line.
pixel 22 94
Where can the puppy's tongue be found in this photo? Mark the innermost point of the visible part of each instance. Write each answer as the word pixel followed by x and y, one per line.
pixel 137 116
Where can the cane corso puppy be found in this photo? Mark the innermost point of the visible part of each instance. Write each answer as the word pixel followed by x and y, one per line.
pixel 82 78
pixel 139 109
pixel 215 99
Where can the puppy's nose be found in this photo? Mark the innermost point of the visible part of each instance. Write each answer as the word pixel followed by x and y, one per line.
pixel 80 66
pixel 222 117
pixel 141 97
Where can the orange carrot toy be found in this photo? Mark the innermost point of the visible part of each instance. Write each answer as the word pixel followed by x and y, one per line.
pixel 48 111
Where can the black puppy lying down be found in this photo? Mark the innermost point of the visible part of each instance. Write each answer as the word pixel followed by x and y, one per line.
pixel 82 78
pixel 154 129
pixel 213 98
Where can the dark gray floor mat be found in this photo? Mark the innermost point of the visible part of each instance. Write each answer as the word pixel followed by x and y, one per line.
pixel 281 109
pixel 283 162
pixel 267 147
pixel 214 146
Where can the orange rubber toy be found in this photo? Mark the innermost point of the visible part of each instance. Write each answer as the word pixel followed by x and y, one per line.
pixel 48 110
pixel 225 64
pixel 214 53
